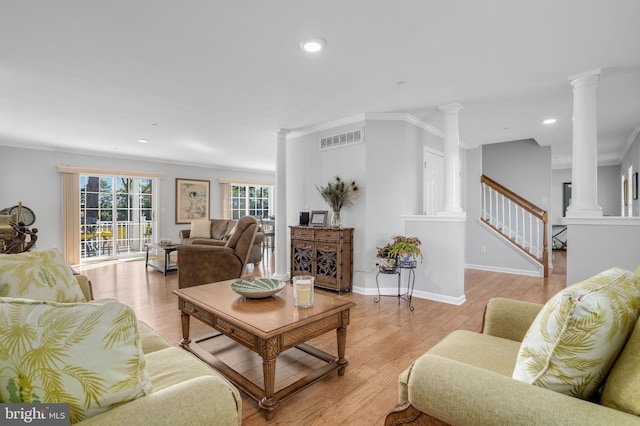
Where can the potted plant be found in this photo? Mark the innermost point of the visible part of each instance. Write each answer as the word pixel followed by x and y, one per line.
pixel 401 252
pixel 338 193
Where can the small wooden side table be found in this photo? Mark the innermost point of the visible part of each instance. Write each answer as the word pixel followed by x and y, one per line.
pixel 165 265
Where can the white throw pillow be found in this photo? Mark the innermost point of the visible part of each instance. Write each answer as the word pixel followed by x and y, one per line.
pixel 200 228
pixel 87 355
pixel 41 275
pixel 576 337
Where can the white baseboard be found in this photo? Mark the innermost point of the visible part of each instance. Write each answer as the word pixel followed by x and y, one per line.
pixel 393 291
pixel 505 270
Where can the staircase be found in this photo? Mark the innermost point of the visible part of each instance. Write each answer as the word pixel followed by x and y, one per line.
pixel 520 222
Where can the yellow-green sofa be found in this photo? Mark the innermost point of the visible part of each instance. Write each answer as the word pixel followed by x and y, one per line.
pixel 177 388
pixel 185 390
pixel 466 379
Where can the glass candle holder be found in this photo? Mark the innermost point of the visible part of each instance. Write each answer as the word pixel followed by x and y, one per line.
pixel 303 291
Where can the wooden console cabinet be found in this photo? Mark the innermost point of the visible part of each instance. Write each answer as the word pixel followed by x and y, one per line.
pixel 325 253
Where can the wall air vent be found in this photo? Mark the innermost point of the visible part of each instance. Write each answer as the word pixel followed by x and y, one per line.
pixel 343 139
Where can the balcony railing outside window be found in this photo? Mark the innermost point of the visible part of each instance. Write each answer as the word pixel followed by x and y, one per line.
pixel 101 240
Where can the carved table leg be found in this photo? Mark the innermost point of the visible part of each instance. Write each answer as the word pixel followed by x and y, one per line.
pixel 269 352
pixel 185 319
pixel 342 344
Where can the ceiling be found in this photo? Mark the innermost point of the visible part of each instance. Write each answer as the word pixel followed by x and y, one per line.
pixel 207 82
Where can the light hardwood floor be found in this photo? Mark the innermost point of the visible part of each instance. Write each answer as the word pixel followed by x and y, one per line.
pixel 382 340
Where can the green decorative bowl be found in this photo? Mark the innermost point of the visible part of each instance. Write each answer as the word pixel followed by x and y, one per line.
pixel 257 288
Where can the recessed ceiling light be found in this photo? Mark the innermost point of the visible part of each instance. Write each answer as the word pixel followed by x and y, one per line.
pixel 549 121
pixel 143 140
pixel 400 83
pixel 313 45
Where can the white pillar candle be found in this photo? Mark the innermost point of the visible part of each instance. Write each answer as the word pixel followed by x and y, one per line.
pixel 303 291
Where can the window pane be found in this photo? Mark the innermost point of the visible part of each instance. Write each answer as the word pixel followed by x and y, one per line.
pixel 123 215
pixel 105 184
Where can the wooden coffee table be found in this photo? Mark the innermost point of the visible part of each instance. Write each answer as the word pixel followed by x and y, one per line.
pixel 268 327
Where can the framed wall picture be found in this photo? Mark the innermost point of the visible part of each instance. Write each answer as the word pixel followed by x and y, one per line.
pixel 318 218
pixel 192 200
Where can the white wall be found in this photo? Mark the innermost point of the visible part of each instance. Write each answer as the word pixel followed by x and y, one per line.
pixel 308 167
pixel 632 158
pixel 608 191
pixel 31 176
pixel 558 177
pixel 601 243
pixel 388 166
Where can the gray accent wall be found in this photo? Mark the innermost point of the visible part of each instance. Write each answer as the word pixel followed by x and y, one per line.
pixel 525 168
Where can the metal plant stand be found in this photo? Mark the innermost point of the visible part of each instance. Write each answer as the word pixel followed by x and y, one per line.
pixel 411 281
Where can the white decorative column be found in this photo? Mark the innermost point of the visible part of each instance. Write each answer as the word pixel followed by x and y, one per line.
pixel 452 185
pixel 584 175
pixel 280 251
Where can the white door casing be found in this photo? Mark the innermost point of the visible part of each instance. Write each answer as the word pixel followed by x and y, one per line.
pixel 433 182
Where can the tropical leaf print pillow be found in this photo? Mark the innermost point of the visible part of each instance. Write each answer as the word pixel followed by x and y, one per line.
pixel 87 355
pixel 576 337
pixel 40 275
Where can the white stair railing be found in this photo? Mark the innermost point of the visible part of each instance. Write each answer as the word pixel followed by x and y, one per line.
pixel 521 222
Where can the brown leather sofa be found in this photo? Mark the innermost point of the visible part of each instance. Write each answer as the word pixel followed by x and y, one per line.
pixel 221 230
pixel 202 264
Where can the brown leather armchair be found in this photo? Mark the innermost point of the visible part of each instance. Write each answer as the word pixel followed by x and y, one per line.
pixel 203 264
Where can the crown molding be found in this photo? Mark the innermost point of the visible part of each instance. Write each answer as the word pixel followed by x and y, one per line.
pixel 326 126
pixel 368 116
pixel 409 118
pixel 630 141
pixel 119 156
pixel 107 172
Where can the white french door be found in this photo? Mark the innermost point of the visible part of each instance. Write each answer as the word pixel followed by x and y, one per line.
pixel 116 215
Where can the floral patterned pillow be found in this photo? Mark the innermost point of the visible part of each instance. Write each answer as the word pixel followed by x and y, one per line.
pixel 40 275
pixel 576 337
pixel 87 355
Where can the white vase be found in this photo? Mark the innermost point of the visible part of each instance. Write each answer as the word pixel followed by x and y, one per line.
pixel 407 261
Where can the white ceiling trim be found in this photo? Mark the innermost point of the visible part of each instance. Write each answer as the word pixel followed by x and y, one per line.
pixel 358 118
pixel 632 138
pixel 108 172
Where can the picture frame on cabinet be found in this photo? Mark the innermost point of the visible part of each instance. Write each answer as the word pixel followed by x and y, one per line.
pixel 318 218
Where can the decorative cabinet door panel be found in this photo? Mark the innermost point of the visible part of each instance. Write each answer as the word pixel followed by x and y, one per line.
pixel 301 257
pixel 326 263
